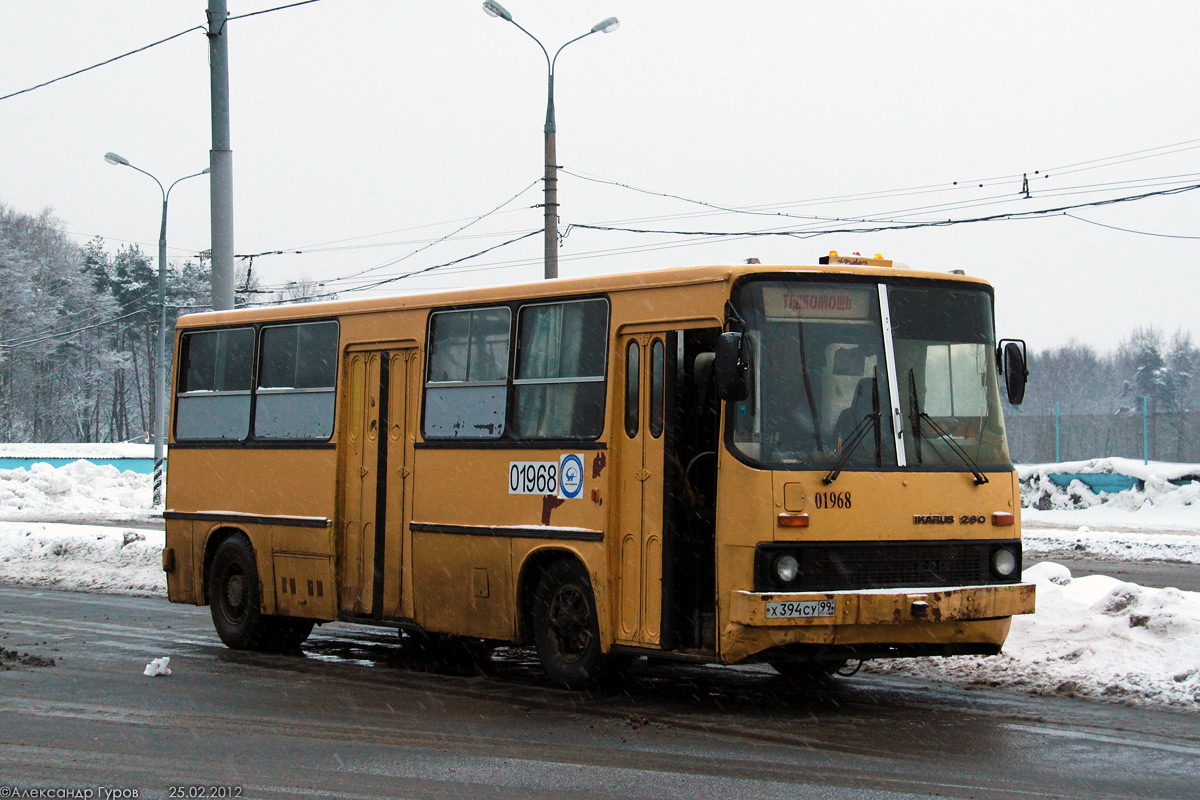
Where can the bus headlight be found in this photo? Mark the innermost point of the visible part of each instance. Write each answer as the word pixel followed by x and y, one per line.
pixel 786 568
pixel 1004 562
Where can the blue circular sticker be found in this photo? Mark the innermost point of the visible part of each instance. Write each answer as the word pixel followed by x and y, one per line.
pixel 570 472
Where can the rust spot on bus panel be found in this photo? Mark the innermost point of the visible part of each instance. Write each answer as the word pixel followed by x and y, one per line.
pixel 549 503
pixel 598 464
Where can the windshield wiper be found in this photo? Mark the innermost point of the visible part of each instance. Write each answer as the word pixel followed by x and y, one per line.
pixel 917 416
pixel 871 418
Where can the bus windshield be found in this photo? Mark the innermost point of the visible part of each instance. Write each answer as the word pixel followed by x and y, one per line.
pixel 820 390
pixel 946 373
pixel 818 374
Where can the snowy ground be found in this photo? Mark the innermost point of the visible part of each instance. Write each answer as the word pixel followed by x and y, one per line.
pixel 1094 637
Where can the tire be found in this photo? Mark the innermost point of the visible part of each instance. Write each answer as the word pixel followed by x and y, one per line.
pixel 566 628
pixel 234 598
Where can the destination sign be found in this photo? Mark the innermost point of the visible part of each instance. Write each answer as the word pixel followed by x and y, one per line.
pixel 823 302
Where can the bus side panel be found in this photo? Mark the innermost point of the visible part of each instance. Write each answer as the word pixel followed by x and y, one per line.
pixel 304 586
pixel 463 585
pixel 180 564
pixel 468 491
pixel 266 481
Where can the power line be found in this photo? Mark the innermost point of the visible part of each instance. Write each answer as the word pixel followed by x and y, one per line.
pixel 453 233
pixel 148 46
pixel 1129 230
pixel 60 334
pixel 1015 215
pixel 770 209
pixel 269 10
pixel 395 278
pixel 103 63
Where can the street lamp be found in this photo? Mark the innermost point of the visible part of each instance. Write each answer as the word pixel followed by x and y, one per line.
pixel 608 25
pixel 158 415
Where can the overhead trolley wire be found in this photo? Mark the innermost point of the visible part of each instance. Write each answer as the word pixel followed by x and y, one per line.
pixel 1014 215
pixel 1130 230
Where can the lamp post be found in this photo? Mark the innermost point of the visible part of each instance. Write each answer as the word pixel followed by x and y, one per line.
pixel 158 415
pixel 607 25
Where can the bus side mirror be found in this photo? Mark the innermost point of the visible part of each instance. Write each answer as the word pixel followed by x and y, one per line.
pixel 1011 359
pixel 731 369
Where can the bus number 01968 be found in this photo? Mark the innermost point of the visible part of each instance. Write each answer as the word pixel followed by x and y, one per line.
pixel 533 477
pixel 831 500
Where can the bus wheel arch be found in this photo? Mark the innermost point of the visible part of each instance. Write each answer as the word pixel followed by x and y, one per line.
pixel 532 569
pixel 234 589
pixel 215 539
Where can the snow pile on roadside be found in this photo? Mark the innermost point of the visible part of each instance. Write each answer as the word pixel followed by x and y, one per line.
pixel 82 557
pixel 78 488
pixel 1111 546
pixel 1159 505
pixel 1094 637
pixel 1167 470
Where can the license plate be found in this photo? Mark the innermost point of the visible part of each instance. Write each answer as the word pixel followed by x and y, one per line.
pixel 801 608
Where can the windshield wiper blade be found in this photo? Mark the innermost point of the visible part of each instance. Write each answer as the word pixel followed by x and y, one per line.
pixel 956 448
pixel 856 436
pixel 916 416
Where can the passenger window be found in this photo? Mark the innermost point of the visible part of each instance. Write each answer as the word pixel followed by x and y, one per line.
pixel 466 391
pixel 559 384
pixel 214 392
pixel 296 382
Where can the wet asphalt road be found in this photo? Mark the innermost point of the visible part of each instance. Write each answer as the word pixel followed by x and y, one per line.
pixel 360 716
pixel 1157 574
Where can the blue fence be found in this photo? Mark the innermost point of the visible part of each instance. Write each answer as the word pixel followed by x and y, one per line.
pixel 142 466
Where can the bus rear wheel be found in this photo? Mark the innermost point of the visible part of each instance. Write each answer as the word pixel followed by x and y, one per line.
pixel 234 599
pixel 566 630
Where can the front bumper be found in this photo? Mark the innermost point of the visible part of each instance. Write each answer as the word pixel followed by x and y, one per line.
pixel 888 606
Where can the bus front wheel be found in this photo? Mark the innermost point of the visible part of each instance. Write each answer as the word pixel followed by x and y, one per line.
pixel 565 626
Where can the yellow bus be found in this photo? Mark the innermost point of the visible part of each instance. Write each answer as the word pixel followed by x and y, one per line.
pixel 791 465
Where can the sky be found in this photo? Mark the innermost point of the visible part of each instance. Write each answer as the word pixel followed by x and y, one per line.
pixel 369 138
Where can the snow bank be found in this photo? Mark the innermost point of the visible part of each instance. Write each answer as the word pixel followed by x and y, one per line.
pixel 1159 505
pixel 1094 637
pixel 82 557
pixel 78 488
pixel 1122 466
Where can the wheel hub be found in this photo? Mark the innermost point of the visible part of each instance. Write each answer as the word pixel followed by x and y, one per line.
pixel 570 623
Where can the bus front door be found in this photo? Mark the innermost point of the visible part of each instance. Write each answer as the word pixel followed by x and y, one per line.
pixel 641 466
pixel 377 470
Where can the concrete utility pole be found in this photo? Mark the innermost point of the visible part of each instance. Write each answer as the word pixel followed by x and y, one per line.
pixel 608 25
pixel 220 158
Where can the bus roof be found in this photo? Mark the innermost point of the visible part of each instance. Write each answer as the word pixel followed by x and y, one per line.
pixel 624 281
